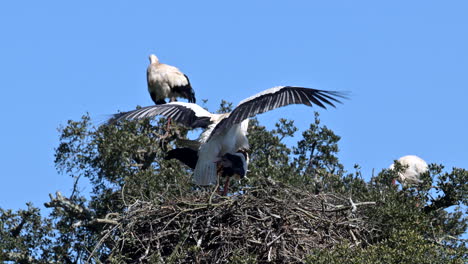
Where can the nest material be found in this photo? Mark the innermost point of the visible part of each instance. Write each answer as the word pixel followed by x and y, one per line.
pixel 269 224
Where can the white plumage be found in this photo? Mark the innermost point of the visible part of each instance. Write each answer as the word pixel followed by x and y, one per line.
pixel 227 133
pixel 415 167
pixel 229 141
pixel 165 81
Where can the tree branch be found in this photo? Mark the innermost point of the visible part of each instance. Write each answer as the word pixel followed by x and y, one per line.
pixel 70 207
pixel 441 203
pixel 84 216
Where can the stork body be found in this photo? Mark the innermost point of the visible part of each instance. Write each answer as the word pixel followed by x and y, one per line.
pixel 234 165
pixel 166 81
pixel 227 133
pixel 229 141
pixel 415 166
pixel 228 165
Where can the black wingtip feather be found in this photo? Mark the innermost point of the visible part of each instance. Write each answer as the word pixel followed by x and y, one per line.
pixel 192 98
pixel 191 94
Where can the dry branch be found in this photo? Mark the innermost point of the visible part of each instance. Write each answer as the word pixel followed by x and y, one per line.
pixel 78 212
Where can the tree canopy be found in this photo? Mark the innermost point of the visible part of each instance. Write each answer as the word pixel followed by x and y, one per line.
pixel 298 204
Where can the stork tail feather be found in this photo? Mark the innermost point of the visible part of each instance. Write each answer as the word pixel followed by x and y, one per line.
pixel 205 173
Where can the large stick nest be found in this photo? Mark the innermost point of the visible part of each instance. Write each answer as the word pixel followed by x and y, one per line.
pixel 274 223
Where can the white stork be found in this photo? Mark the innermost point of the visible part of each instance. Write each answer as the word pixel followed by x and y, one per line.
pixel 166 81
pixel 414 167
pixel 227 133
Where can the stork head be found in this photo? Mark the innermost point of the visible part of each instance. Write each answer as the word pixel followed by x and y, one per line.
pixel 153 59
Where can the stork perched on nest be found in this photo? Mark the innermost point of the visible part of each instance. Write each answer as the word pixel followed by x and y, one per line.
pixel 166 81
pixel 414 167
pixel 227 133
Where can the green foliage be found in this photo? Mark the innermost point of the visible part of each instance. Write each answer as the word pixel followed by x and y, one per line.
pixel 401 247
pixel 25 236
pixel 313 166
pixel 316 159
pixel 224 107
pixel 269 157
pixel 123 156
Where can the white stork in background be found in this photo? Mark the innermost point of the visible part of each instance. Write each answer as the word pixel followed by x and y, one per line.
pixel 166 81
pixel 414 167
pixel 227 133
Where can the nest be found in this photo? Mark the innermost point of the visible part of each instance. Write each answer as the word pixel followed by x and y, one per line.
pixel 274 223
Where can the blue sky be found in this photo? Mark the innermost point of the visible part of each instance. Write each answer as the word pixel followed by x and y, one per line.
pixel 404 62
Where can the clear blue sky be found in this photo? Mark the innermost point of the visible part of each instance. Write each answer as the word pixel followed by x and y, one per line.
pixel 404 62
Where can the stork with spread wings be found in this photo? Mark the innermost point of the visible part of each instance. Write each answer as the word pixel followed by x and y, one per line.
pixel 227 133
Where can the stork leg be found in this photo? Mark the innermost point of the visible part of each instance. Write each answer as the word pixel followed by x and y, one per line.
pixel 166 136
pixel 215 190
pixel 168 125
pixel 226 186
pixel 168 129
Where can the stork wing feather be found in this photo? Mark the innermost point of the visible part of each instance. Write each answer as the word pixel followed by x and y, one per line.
pixel 278 97
pixel 187 114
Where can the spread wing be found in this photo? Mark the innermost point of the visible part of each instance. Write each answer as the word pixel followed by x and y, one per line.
pixel 187 114
pixel 278 97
